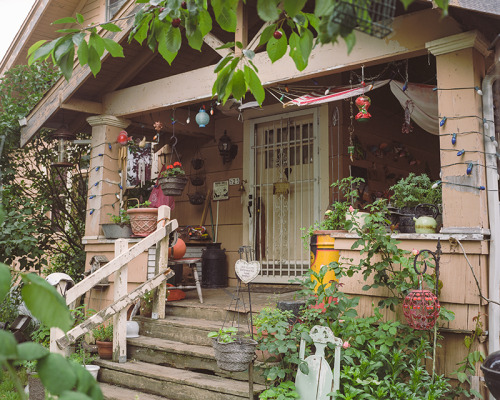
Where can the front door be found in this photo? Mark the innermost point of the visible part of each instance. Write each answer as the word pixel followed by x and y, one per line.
pixel 285 192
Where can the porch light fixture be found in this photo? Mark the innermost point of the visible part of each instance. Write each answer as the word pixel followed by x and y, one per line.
pixel 202 118
pixel 64 136
pixel 227 149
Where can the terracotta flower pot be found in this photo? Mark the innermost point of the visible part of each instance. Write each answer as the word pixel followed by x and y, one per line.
pixel 265 355
pixel 143 220
pixel 105 349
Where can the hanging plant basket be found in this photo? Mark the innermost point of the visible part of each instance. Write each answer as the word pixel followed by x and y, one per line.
pixel 172 185
pixel 197 180
pixel 421 309
pixel 197 198
pixel 197 163
pixel 234 356
pixel 143 220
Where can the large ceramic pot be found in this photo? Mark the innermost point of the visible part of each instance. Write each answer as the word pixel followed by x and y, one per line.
pixel 323 252
pixel 143 220
pixel 172 185
pixel 105 349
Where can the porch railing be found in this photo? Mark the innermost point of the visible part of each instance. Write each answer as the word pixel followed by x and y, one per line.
pixel 118 309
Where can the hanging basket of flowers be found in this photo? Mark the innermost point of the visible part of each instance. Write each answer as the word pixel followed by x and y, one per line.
pixel 173 180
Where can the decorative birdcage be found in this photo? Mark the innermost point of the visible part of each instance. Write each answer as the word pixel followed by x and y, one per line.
pixel 421 308
pixel 373 17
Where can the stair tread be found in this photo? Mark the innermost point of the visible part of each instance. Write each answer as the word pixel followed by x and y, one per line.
pixel 185 377
pixel 112 392
pixel 204 324
pixel 172 346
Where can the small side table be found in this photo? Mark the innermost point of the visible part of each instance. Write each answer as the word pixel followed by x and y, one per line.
pixel 191 262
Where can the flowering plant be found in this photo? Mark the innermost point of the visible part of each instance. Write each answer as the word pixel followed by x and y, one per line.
pixel 172 170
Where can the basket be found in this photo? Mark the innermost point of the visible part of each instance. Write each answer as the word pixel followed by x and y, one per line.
pixel 372 17
pixel 197 198
pixel 197 180
pixel 197 163
pixel 234 356
pixel 172 185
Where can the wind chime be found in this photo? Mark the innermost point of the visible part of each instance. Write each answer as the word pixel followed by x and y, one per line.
pixel 421 307
pixel 363 102
pixel 350 148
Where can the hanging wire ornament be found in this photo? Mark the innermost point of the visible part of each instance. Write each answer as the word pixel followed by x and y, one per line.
pixel 407 127
pixel 350 148
pixel 421 307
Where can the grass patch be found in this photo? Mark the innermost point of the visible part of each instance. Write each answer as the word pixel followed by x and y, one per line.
pixel 7 387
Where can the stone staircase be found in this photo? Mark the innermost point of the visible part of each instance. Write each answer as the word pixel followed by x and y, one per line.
pixel 173 359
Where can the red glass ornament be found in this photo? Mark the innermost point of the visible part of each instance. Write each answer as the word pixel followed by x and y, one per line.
pixel 363 103
pixel 421 309
pixel 123 138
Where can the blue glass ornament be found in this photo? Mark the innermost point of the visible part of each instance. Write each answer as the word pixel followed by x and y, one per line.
pixel 442 122
pixel 469 168
pixel 461 153
pixel 454 139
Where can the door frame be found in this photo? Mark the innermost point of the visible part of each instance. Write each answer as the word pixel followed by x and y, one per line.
pixel 249 172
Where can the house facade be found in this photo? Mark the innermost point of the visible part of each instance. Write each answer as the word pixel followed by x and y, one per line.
pixel 288 155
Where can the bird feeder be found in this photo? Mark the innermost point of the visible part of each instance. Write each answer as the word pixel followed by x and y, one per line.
pixel 363 103
pixel 64 138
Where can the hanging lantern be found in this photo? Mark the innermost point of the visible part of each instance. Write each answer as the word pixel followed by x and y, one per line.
pixel 202 118
pixel 421 309
pixel 123 138
pixel 363 103
pixel 64 137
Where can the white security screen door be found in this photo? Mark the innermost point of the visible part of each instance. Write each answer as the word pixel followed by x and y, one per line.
pixel 283 166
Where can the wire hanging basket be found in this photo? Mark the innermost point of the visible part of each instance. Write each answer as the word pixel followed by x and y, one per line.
pixel 373 17
pixel 197 198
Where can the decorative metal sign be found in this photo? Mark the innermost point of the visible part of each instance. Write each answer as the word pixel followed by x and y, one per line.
pixel 247 271
pixel 281 188
pixel 221 191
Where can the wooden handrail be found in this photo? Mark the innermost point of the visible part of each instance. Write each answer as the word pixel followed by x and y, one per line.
pixel 123 255
pixel 114 265
pixel 112 309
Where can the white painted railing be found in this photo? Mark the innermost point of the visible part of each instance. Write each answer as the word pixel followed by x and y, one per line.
pixel 118 310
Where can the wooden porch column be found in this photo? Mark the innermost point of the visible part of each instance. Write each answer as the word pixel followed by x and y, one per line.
pixel 104 177
pixel 460 63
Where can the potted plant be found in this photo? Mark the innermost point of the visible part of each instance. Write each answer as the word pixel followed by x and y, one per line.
pixel 284 391
pixel 233 352
pixel 103 335
pixel 413 191
pixel 173 180
pixel 146 304
pixel 266 325
pixel 80 356
pixel 321 242
pixel 143 218
pixel 119 226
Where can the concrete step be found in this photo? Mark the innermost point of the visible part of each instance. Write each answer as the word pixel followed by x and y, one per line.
pixel 175 384
pixel 183 356
pixel 204 311
pixel 111 392
pixel 180 329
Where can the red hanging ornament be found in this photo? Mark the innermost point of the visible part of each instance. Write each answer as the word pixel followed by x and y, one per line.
pixel 421 309
pixel 363 103
pixel 123 138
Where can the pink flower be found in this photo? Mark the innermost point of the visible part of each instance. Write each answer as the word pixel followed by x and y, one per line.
pixel 351 209
pixel 415 252
pixel 346 345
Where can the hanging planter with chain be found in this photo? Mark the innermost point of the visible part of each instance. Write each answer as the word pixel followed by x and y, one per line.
pixel 173 180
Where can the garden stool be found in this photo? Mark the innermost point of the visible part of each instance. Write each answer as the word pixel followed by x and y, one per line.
pixel 191 262
pixel 320 381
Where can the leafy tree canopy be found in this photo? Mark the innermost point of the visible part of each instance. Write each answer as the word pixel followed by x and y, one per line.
pixel 159 22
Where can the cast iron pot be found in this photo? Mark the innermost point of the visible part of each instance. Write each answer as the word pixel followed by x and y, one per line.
pixel 491 371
